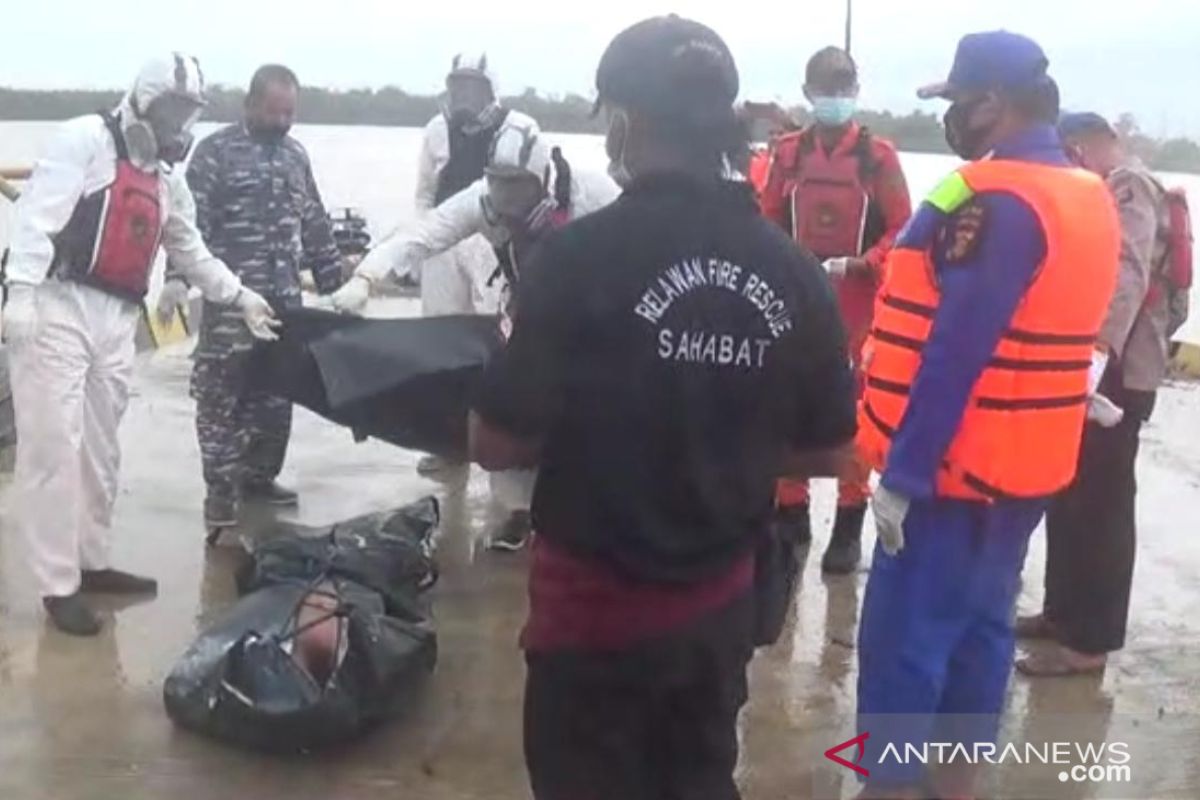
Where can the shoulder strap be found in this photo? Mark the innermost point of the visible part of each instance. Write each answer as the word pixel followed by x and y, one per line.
pixel 562 179
pixel 867 166
pixel 114 129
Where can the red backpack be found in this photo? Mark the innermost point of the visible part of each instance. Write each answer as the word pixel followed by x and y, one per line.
pixel 1172 281
pixel 1178 267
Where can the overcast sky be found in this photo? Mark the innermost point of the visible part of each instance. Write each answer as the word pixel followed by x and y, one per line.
pixel 1141 56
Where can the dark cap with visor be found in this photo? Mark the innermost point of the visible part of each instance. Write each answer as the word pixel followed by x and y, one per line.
pixel 992 60
pixel 672 68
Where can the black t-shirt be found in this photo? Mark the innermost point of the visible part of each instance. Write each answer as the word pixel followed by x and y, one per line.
pixel 670 350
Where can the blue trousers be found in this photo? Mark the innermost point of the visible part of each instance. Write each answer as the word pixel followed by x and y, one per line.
pixel 936 640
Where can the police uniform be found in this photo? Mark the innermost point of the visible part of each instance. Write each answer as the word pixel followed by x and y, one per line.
pixel 975 397
pixel 259 210
pixel 1091 528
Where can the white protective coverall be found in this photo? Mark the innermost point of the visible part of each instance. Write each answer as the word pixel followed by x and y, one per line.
pixel 456 220
pixel 71 377
pixel 454 281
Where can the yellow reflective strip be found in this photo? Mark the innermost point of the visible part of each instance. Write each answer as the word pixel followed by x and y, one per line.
pixel 950 194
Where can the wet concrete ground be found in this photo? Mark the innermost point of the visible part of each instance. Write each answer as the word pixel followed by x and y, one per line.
pixel 83 719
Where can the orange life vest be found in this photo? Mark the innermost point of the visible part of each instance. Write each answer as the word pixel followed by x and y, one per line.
pixel 826 193
pixel 1020 433
pixel 760 167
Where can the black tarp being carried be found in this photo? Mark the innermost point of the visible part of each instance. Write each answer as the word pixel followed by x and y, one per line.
pixel 360 584
pixel 404 381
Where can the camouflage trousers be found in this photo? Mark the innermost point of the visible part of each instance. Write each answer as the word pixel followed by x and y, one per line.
pixel 243 434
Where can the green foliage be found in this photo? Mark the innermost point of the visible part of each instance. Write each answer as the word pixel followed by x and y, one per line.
pixel 915 132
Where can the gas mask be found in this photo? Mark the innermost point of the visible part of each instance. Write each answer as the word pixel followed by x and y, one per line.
pixel 163 131
pixel 516 215
pixel 618 137
pixel 965 132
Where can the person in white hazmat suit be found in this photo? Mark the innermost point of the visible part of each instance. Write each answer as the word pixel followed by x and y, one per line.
pixel 529 190
pixel 102 199
pixel 454 152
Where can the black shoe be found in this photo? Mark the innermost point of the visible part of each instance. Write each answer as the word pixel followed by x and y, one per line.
pixel 270 492
pixel 513 533
pixel 433 466
pixel 71 615
pixel 220 512
pixel 792 524
pixel 845 545
pixel 113 581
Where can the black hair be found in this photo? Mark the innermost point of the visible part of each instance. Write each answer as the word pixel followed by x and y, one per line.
pixel 828 58
pixel 1037 103
pixel 271 74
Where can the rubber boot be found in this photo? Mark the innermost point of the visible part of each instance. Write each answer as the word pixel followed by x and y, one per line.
pixel 72 615
pixel 270 492
pixel 792 524
pixel 845 545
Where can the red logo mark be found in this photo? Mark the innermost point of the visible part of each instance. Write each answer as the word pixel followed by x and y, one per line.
pixel 860 741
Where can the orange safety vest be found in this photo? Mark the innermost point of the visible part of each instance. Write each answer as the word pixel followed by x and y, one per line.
pixel 1020 432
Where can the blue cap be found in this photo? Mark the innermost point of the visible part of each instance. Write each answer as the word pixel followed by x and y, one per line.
pixel 991 60
pixel 1083 122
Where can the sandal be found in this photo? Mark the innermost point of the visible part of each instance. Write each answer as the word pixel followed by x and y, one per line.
pixel 1056 663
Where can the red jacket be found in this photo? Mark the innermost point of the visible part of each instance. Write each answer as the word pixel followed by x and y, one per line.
pixel 888 209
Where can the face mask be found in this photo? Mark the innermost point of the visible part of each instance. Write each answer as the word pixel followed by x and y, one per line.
pixel 834 112
pixel 964 136
pixel 618 135
pixel 164 129
pixel 268 134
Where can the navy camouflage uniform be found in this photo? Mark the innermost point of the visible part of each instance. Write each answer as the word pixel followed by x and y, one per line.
pixel 258 209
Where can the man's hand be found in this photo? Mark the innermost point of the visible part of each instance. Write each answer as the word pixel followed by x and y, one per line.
pixel 259 316
pixel 352 297
pixel 20 314
pixel 1096 371
pixel 1101 410
pixel 890 510
pixel 836 267
pixel 842 266
pixel 1104 412
pixel 174 294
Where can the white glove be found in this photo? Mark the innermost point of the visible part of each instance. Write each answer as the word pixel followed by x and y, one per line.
pixel 1096 371
pixel 258 315
pixel 890 509
pixel 836 267
pixel 1104 412
pixel 20 314
pixel 174 294
pixel 352 297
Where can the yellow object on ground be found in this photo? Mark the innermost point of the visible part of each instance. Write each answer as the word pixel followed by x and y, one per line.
pixel 1187 360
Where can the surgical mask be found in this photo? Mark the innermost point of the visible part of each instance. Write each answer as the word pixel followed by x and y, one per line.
pixel 618 136
pixel 964 135
pixel 834 111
